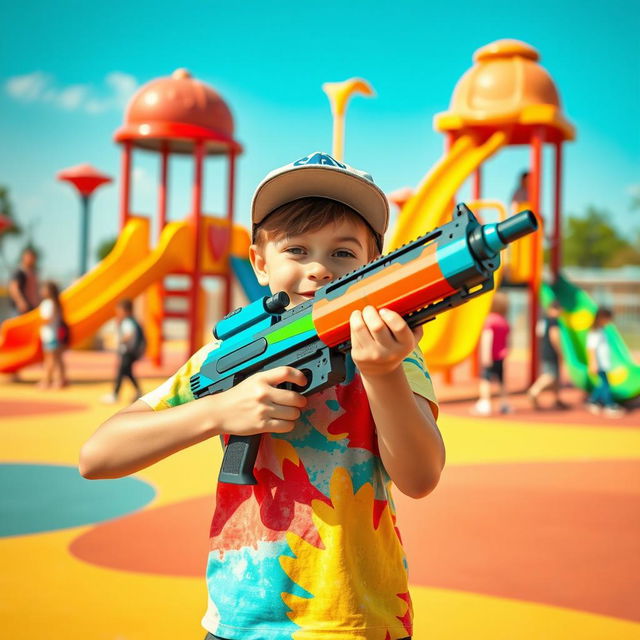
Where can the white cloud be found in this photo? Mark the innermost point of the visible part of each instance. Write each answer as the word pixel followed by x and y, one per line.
pixel 38 86
pixel 30 87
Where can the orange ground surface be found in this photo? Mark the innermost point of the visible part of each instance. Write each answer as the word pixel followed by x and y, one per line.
pixel 533 532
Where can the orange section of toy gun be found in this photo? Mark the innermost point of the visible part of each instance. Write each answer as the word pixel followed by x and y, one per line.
pixel 403 288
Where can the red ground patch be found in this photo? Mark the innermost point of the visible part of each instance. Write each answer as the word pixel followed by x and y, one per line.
pixel 13 408
pixel 171 540
pixel 564 534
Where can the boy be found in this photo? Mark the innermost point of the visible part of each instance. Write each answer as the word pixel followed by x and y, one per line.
pixel 551 355
pixel 313 548
pixel 599 363
pixel 131 347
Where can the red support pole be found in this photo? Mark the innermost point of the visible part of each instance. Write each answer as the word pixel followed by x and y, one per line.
pixel 162 189
pixel 556 241
pixel 537 141
pixel 196 276
pixel 125 191
pixel 228 288
pixel 448 141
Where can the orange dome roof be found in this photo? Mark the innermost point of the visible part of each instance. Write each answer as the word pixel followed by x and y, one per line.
pixel 177 111
pixel 505 87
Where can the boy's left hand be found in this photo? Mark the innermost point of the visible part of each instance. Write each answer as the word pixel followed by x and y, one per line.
pixel 380 340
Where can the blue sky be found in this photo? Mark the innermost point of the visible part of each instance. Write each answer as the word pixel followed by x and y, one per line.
pixel 68 68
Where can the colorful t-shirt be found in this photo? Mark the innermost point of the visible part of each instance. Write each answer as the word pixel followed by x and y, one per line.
pixel 312 550
pixel 499 327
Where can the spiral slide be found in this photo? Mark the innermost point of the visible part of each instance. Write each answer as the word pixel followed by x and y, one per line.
pixel 128 269
pixel 578 310
pixel 453 335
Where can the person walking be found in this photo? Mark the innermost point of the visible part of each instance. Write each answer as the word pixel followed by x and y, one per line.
pixel 551 356
pixel 131 347
pixel 54 336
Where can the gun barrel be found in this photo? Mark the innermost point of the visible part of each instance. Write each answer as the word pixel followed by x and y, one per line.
pixel 517 226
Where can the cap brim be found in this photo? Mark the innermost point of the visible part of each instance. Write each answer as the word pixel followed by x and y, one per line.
pixel 360 194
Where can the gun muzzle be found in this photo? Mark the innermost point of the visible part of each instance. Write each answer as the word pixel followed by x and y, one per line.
pixel 487 240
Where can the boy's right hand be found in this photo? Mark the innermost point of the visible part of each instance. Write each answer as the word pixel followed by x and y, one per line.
pixel 257 405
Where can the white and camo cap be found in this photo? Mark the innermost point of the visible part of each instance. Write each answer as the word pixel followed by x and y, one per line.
pixel 321 176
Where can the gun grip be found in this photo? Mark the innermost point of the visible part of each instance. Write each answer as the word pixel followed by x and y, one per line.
pixel 239 457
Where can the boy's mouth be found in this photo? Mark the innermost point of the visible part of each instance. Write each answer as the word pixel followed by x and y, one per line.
pixel 307 294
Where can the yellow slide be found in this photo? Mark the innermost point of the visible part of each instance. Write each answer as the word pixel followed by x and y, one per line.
pixel 128 269
pixel 451 337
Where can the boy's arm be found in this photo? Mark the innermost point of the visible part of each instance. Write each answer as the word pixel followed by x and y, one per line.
pixel 410 443
pixel 138 436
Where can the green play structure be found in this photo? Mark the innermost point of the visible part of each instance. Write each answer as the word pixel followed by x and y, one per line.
pixel 578 310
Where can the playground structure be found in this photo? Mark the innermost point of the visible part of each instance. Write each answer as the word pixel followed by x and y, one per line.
pixel 180 115
pixel 507 98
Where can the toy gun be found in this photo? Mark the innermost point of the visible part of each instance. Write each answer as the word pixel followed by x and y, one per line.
pixel 440 270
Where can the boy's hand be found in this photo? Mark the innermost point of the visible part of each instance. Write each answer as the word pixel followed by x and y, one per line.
pixel 256 405
pixel 380 340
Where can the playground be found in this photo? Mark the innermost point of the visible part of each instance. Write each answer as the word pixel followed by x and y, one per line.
pixel 534 529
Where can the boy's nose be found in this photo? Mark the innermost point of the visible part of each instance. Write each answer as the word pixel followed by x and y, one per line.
pixel 319 272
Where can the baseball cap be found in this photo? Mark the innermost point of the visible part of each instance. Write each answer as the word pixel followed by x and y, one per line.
pixel 321 176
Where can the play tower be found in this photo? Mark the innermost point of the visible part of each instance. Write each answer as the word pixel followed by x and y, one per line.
pixel 181 115
pixel 507 98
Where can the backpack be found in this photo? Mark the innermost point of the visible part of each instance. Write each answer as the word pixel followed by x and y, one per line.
pixel 140 343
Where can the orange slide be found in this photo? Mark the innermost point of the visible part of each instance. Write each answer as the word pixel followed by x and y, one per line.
pixel 88 303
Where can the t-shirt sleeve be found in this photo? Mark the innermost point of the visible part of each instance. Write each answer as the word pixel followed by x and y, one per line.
pixel 46 309
pixel 419 379
pixel 176 390
pixel 592 340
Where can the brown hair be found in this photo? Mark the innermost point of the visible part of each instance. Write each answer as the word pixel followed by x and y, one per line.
pixel 52 293
pixel 500 303
pixel 126 305
pixel 603 314
pixel 309 214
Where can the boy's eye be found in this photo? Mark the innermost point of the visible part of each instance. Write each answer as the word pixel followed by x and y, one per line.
pixel 296 251
pixel 344 253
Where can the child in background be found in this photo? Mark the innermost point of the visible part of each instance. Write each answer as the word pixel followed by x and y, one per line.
pixel 131 347
pixel 551 356
pixel 599 362
pixel 51 338
pixel 313 548
pixel 493 351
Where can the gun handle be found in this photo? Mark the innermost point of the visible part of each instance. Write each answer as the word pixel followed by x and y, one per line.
pixel 239 457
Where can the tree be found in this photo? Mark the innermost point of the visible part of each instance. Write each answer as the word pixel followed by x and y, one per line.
pixel 104 248
pixel 591 241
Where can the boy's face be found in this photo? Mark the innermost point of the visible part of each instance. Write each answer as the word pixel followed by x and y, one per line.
pixel 302 264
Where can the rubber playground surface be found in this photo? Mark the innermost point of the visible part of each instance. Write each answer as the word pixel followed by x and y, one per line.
pixel 533 532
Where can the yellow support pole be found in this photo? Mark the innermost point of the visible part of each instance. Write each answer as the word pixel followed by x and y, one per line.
pixel 339 94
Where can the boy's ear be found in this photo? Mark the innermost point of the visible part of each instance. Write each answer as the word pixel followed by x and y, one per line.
pixel 259 264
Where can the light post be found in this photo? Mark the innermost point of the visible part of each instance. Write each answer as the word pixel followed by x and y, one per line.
pixel 86 179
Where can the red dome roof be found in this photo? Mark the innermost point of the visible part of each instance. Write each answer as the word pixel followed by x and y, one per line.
pixel 177 111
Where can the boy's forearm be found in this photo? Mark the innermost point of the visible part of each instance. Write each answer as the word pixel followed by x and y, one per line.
pixel 137 437
pixel 410 444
